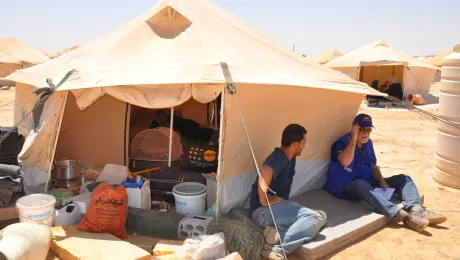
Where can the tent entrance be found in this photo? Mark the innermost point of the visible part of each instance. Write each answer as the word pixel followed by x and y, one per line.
pixel 194 145
pixel 382 73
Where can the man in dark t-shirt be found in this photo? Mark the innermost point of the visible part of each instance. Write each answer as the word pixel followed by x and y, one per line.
pixel 296 224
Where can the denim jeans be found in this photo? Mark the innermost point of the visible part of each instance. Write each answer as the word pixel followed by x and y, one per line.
pixel 296 223
pixel 403 185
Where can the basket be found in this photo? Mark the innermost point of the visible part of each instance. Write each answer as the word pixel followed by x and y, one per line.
pixel 190 189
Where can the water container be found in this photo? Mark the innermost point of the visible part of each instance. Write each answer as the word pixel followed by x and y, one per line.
pixel 190 198
pixel 448 137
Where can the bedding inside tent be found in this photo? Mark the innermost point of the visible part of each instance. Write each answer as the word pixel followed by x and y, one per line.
pixel 381 73
pixel 377 76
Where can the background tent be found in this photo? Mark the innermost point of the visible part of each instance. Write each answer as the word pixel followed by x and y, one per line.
pixel 327 56
pixel 380 61
pixel 437 60
pixel 15 55
pixel 51 54
pixel 168 56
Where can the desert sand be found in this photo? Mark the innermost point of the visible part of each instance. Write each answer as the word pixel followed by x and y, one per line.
pixel 404 143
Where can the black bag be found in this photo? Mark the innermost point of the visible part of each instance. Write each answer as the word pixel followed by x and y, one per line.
pixel 11 146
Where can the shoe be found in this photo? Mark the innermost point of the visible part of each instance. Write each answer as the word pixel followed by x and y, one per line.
pixel 416 223
pixel 432 217
pixel 271 236
pixel 400 216
pixel 272 253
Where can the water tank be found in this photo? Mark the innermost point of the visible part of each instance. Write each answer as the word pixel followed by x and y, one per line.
pixel 448 137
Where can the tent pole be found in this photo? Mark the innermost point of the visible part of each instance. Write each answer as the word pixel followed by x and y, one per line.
pixel 219 156
pixel 171 122
pixel 48 178
pixel 215 112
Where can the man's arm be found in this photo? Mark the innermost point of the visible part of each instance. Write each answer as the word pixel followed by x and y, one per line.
pixel 377 175
pixel 347 155
pixel 267 174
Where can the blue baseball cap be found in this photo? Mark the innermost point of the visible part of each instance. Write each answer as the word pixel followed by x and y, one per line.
pixel 363 120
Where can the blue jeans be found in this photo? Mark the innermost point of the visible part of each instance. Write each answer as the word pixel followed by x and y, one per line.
pixel 296 223
pixel 403 185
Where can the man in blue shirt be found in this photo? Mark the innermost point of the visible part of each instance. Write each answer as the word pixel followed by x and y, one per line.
pixel 296 224
pixel 353 174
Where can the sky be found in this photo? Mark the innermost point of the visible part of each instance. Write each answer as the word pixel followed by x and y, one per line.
pixel 415 27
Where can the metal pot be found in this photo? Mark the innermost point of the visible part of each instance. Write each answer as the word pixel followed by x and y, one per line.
pixel 67 169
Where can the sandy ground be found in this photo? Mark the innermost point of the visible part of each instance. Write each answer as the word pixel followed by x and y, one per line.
pixel 405 143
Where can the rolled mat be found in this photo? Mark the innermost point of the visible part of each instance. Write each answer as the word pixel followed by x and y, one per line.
pixel 5 197
pixel 13 171
pixel 153 223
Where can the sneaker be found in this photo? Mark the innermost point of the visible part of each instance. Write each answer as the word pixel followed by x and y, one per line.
pixel 416 223
pixel 400 216
pixel 272 253
pixel 432 217
pixel 271 236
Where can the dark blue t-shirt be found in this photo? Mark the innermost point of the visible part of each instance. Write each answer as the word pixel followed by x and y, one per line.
pixel 283 174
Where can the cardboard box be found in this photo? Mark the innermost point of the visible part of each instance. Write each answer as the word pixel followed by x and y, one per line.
pixel 82 201
pixel 211 184
pixel 140 198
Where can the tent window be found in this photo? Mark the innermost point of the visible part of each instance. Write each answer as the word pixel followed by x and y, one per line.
pixel 168 23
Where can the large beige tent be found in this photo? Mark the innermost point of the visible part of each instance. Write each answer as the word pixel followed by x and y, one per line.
pixel 379 61
pixel 327 56
pixel 170 57
pixel 437 60
pixel 15 55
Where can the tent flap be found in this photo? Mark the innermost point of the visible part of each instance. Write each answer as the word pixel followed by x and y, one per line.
pixel 37 153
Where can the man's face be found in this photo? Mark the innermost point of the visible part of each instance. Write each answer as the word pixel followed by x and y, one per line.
pixel 301 145
pixel 364 134
pixel 161 118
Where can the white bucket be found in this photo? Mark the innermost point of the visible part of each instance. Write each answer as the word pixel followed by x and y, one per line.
pixel 190 198
pixel 37 208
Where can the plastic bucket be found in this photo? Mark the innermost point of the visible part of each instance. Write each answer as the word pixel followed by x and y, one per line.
pixel 190 198
pixel 37 208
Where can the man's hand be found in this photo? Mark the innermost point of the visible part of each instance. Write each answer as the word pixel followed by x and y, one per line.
pixel 272 200
pixel 383 184
pixel 354 132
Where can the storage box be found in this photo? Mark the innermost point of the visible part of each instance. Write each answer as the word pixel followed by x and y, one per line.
pixel 140 198
pixel 82 201
pixel 211 185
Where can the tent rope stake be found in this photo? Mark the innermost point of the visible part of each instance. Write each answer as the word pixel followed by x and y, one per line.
pixel 232 90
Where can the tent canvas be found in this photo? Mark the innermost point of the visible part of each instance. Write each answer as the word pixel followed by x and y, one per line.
pixel 15 55
pixel 327 56
pixel 437 60
pixel 168 55
pixel 415 76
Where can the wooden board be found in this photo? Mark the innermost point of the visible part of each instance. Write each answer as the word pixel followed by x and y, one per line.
pixel 144 242
pixel 167 247
pixel 52 256
pixel 71 244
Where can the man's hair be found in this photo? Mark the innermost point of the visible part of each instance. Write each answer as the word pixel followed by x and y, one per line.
pixel 292 133
pixel 161 112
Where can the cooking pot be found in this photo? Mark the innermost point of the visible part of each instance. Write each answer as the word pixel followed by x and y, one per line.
pixel 67 169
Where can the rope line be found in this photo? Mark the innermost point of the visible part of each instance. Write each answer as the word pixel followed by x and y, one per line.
pixel 261 180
